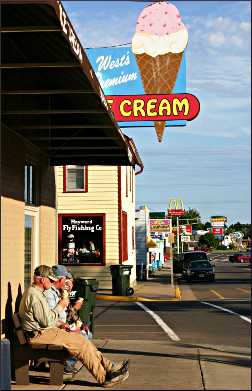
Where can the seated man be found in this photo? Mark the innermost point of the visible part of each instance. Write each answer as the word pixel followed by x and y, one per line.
pixel 39 325
pixel 53 296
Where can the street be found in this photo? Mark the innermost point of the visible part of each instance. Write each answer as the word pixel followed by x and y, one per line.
pixel 203 325
pixel 193 322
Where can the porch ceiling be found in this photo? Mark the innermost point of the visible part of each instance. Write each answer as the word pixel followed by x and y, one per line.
pixel 50 93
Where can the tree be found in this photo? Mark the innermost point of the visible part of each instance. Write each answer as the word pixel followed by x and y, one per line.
pixel 244 228
pixel 191 216
pixel 207 225
pixel 208 240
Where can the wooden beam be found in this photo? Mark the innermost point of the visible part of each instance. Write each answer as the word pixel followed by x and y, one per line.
pixel 45 112
pixel 91 155
pixel 47 92
pixel 78 148
pixel 66 138
pixel 29 65
pixel 60 127
pixel 29 29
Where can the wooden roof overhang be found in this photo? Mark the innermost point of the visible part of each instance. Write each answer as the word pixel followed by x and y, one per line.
pixel 49 92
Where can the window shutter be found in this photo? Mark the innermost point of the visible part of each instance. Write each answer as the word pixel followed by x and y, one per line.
pixel 124 236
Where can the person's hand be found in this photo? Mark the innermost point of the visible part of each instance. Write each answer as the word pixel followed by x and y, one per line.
pixel 85 327
pixel 60 324
pixel 78 303
pixel 64 302
pixel 66 327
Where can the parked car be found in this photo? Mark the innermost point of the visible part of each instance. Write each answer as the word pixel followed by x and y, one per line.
pixel 240 257
pixel 198 270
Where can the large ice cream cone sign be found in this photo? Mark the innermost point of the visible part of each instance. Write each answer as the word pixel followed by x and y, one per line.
pixel 158 45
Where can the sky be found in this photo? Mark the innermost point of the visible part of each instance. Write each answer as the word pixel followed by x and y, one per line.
pixel 206 163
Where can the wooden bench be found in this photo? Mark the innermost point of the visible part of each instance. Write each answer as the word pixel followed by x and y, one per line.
pixel 23 352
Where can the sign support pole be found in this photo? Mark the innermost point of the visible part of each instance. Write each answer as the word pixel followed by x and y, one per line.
pixel 171 260
pixel 177 235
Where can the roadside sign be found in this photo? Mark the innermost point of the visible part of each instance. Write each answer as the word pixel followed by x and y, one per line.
pixel 218 224
pixel 157 215
pixel 160 225
pixel 186 229
pixel 176 212
pixel 185 238
pixel 217 231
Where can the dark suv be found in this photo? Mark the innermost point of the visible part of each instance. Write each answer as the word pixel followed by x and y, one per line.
pixel 185 264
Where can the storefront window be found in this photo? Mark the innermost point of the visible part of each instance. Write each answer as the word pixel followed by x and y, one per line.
pixel 81 239
pixel 28 250
pixel 75 178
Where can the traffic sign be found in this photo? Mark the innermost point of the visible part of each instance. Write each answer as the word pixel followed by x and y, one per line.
pixel 185 238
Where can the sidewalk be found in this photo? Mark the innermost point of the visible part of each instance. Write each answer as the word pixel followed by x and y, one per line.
pixel 159 365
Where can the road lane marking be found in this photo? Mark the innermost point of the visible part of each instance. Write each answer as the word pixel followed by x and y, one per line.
pixel 160 322
pixel 243 290
pixel 227 310
pixel 217 294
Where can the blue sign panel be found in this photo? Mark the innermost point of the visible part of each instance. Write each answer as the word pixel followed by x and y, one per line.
pixel 118 74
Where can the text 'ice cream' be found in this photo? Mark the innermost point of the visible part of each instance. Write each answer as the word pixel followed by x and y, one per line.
pixel 158 45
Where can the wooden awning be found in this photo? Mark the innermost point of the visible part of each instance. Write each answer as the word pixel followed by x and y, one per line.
pixel 50 93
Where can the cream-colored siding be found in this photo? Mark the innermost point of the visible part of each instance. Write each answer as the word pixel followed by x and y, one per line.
pixel 12 252
pixel 48 236
pixel 102 197
pixel 15 151
pixel 128 175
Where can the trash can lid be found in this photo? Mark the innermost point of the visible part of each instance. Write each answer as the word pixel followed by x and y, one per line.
pixel 88 281
pixel 124 267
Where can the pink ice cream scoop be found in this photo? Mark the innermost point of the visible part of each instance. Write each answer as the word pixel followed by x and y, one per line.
pixel 159 19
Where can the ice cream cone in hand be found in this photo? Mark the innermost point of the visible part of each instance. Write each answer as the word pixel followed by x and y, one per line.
pixel 158 44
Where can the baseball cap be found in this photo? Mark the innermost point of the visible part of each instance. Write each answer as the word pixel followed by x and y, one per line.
pixel 61 271
pixel 45 271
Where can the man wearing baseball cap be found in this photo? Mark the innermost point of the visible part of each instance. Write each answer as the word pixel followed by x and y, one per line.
pixel 53 296
pixel 39 325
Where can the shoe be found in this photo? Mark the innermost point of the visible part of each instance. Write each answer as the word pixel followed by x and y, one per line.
pixel 121 366
pixel 113 380
pixel 70 370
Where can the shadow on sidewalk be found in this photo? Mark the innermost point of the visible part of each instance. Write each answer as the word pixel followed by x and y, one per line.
pixel 197 356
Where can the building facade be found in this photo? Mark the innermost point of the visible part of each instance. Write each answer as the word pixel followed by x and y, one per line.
pixel 49 94
pixel 96 219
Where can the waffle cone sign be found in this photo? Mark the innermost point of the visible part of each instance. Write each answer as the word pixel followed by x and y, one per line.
pixel 158 45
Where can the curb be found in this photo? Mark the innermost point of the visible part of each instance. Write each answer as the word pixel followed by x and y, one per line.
pixel 178 293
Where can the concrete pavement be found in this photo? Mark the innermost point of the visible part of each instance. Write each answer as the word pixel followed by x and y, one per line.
pixel 161 365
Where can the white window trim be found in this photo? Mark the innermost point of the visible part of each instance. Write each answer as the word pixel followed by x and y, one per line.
pixel 34 212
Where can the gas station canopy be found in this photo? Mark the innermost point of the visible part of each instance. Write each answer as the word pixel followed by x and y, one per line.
pixel 50 93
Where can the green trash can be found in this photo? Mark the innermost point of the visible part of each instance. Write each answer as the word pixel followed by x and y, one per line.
pixel 86 288
pixel 121 280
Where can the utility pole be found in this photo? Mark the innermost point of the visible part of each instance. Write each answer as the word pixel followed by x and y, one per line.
pixel 171 260
pixel 177 235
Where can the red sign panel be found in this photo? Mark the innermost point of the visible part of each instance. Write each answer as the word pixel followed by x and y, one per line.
pixel 176 212
pixel 154 107
pixel 217 231
pixel 187 229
